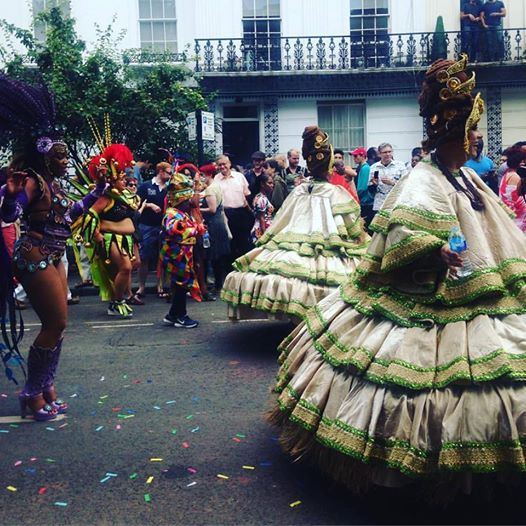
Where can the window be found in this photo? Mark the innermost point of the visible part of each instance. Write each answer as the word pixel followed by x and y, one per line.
pixel 39 6
pixel 344 122
pixel 261 34
pixel 369 26
pixel 158 25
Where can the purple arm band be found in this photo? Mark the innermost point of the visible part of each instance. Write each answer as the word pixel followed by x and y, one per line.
pixel 12 206
pixel 80 207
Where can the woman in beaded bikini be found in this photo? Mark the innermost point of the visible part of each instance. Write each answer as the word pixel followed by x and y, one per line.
pixel 412 367
pixel 32 191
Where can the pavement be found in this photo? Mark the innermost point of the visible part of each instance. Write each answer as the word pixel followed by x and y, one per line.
pixel 166 426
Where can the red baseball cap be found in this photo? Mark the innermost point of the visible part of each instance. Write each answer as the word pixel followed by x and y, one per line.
pixel 359 151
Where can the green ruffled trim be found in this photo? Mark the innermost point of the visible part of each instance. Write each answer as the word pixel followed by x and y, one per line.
pixel 476 457
pixel 287 271
pixel 416 219
pixel 407 374
pixel 264 303
pixel 350 207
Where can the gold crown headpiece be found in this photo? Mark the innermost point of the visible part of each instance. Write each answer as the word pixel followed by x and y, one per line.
pixel 453 84
pixel 473 119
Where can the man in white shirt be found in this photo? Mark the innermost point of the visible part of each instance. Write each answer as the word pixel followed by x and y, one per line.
pixel 240 218
pixel 384 174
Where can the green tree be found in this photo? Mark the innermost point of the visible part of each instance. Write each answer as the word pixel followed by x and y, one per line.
pixel 147 105
pixel 439 45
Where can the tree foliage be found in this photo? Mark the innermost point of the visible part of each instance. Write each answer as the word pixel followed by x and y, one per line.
pixel 147 104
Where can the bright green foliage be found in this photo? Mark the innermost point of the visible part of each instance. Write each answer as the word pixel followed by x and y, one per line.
pixel 439 46
pixel 147 105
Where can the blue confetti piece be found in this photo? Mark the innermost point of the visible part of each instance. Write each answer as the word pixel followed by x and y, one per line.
pixel 30 471
pixel 50 428
pixel 265 464
pixel 99 428
pixel 109 474
pixel 195 429
pixel 170 402
pixel 156 407
pixel 105 479
pixel 60 503
pixel 4 431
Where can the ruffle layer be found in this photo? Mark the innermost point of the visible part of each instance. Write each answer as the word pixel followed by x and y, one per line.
pixel 480 350
pixel 271 294
pixel 476 428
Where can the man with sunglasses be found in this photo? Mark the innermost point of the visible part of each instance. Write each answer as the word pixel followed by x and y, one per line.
pixel 153 194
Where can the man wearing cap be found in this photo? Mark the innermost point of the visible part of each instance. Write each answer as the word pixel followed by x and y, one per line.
pixel 252 175
pixel 362 183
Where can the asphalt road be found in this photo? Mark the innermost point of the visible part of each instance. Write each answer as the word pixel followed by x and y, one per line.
pixel 166 427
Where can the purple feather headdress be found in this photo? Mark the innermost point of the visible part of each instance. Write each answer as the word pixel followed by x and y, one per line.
pixel 28 112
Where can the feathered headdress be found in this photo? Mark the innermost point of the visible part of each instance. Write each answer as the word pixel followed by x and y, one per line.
pixel 28 114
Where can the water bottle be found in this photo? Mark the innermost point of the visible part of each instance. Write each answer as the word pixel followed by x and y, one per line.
pixel 458 244
pixel 206 240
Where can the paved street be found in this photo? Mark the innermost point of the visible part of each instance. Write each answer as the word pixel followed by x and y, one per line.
pixel 166 427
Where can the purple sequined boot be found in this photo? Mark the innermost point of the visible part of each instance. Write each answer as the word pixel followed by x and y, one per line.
pixel 48 389
pixel 31 399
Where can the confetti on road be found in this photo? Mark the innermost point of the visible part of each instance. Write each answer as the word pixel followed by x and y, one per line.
pixel 156 460
pixel 149 480
pixel 42 490
pixel 133 476
pixel 195 429
pixel 4 431
pixel 18 462
pixel 174 431
pixel 221 476
pixel 60 503
pixel 105 479
pixel 147 497
pixel 50 428
pixel 191 484
pixel 11 488
pixel 99 428
pixel 156 407
pixel 186 445
pixel 192 470
pixel 74 395
pixel 249 467
pixel 170 402
pixel 189 417
pixel 295 503
pixel 235 439
pixel 240 435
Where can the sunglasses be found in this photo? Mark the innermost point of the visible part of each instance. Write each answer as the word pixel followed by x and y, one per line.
pixel 131 184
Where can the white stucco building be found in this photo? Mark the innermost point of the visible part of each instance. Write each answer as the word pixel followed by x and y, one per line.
pixel 353 66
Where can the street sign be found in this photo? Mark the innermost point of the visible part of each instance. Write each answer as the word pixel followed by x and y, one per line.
pixel 191 122
pixel 207 119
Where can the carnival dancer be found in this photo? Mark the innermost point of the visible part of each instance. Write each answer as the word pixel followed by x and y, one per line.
pixel 108 226
pixel 178 237
pixel 313 244
pixel 28 115
pixel 414 370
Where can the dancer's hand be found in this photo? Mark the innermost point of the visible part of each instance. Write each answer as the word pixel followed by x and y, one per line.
pixel 16 182
pixel 451 259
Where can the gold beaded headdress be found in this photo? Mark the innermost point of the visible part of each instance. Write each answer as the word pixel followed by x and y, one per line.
pixel 317 151
pixel 453 84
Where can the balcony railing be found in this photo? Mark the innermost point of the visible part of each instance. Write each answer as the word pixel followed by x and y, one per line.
pixel 351 52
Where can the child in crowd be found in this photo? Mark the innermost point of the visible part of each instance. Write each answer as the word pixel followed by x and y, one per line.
pixel 178 237
pixel 263 209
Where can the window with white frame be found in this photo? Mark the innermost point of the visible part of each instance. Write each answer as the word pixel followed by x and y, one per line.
pixel 158 25
pixel 261 33
pixel 369 27
pixel 344 122
pixel 40 6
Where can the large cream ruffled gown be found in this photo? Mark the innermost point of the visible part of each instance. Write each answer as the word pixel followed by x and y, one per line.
pixel 405 370
pixel 314 243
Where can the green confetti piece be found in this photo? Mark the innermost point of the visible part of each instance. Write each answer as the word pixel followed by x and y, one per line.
pixel 189 417
pixel 174 431
pixel 14 425
pixel 133 476
pixel 147 497
pixel 240 435
pixel 50 460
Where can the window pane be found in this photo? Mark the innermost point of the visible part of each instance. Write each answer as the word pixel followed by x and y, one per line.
pixel 273 8
pixel 356 4
pixel 261 27
pixel 275 26
pixel 144 9
pixel 171 46
pixel 65 7
pixel 356 23
pixel 249 26
pixel 157 9
pixel 248 8
pixel 325 118
pixel 368 22
pixel 382 4
pixel 169 8
pixel 382 22
pixel 158 46
pixel 146 31
pixel 158 31
pixel 261 8
pixel 170 29
pixel 369 4
pixel 40 31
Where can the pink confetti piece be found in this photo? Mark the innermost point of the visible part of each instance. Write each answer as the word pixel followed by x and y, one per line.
pixel 18 462
pixel 118 426
pixel 42 490
pixel 235 439
pixel 186 445
pixel 33 459
pixel 192 470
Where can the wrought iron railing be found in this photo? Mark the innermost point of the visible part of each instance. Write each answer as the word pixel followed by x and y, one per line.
pixel 351 52
pixel 146 56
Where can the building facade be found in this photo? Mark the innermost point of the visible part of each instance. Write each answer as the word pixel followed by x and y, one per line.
pixel 352 66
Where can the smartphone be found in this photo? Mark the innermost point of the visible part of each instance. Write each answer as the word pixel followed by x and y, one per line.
pixel 376 174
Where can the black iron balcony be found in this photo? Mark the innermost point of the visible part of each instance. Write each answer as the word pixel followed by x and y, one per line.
pixel 355 51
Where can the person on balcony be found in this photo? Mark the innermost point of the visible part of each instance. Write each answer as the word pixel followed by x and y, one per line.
pixel 471 20
pixel 493 11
